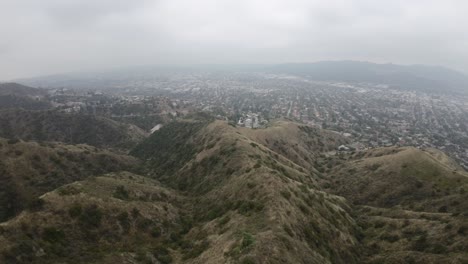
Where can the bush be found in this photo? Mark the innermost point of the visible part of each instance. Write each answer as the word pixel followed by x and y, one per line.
pixel 462 230
pixel 121 193
pixel 286 194
pixel 439 249
pixel 13 141
pixel 248 260
pixel 443 209
pixel 75 210
pixel 390 238
pixel 124 221
pixel 68 190
pixel 156 232
pixel 224 220
pixel 246 207
pixel 196 250
pixel 420 244
pixel 247 240
pixel 91 216
pixel 379 224
pixel 36 205
pixel 162 254
pixel 53 235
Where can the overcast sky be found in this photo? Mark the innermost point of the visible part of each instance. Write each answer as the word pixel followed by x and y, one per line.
pixel 39 37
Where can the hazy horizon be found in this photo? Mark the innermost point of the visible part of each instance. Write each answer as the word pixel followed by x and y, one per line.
pixel 52 37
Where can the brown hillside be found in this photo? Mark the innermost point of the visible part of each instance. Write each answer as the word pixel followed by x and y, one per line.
pixel 29 169
pixel 251 204
pixel 411 204
pixel 115 218
pixel 68 128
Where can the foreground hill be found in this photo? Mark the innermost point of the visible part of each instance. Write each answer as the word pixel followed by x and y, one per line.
pixel 410 203
pixel 114 218
pixel 234 201
pixel 69 128
pixel 213 193
pixel 14 95
pixel 422 180
pixel 29 169
pixel 252 204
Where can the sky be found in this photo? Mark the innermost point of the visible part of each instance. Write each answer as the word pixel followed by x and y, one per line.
pixel 54 36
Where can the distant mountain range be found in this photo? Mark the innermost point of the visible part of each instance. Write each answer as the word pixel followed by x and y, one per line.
pixel 412 77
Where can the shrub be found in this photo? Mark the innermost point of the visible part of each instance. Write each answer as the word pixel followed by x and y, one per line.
pixel 379 224
pixel 439 249
pixel 36 205
pixel 286 194
pixel 462 230
pixel 68 190
pixel 390 238
pixel 156 232
pixel 53 235
pixel 124 221
pixel 75 210
pixel 420 244
pixel 143 223
pixel 246 207
pixel 91 216
pixel 247 240
pixel 248 260
pixel 224 220
pixel 162 254
pixel 121 193
pixel 135 212
pixel 13 141
pixel 196 250
pixel 443 209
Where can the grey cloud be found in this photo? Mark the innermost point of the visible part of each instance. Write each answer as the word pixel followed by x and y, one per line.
pixel 50 36
pixel 76 13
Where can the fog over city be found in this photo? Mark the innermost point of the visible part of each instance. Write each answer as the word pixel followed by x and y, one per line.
pixel 55 36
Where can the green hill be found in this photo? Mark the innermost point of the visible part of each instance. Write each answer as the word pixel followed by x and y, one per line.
pixel 248 198
pixel 410 203
pixel 69 128
pixel 209 192
pixel 114 218
pixel 14 95
pixel 29 169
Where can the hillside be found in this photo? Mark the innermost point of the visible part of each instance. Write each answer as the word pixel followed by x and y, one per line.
pixel 69 128
pixel 250 199
pixel 234 200
pixel 114 218
pixel 14 95
pixel 209 192
pixel 20 90
pixel 410 203
pixel 29 169
pixel 422 180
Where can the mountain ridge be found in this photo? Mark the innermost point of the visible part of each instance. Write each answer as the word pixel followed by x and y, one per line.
pixel 412 77
pixel 210 192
